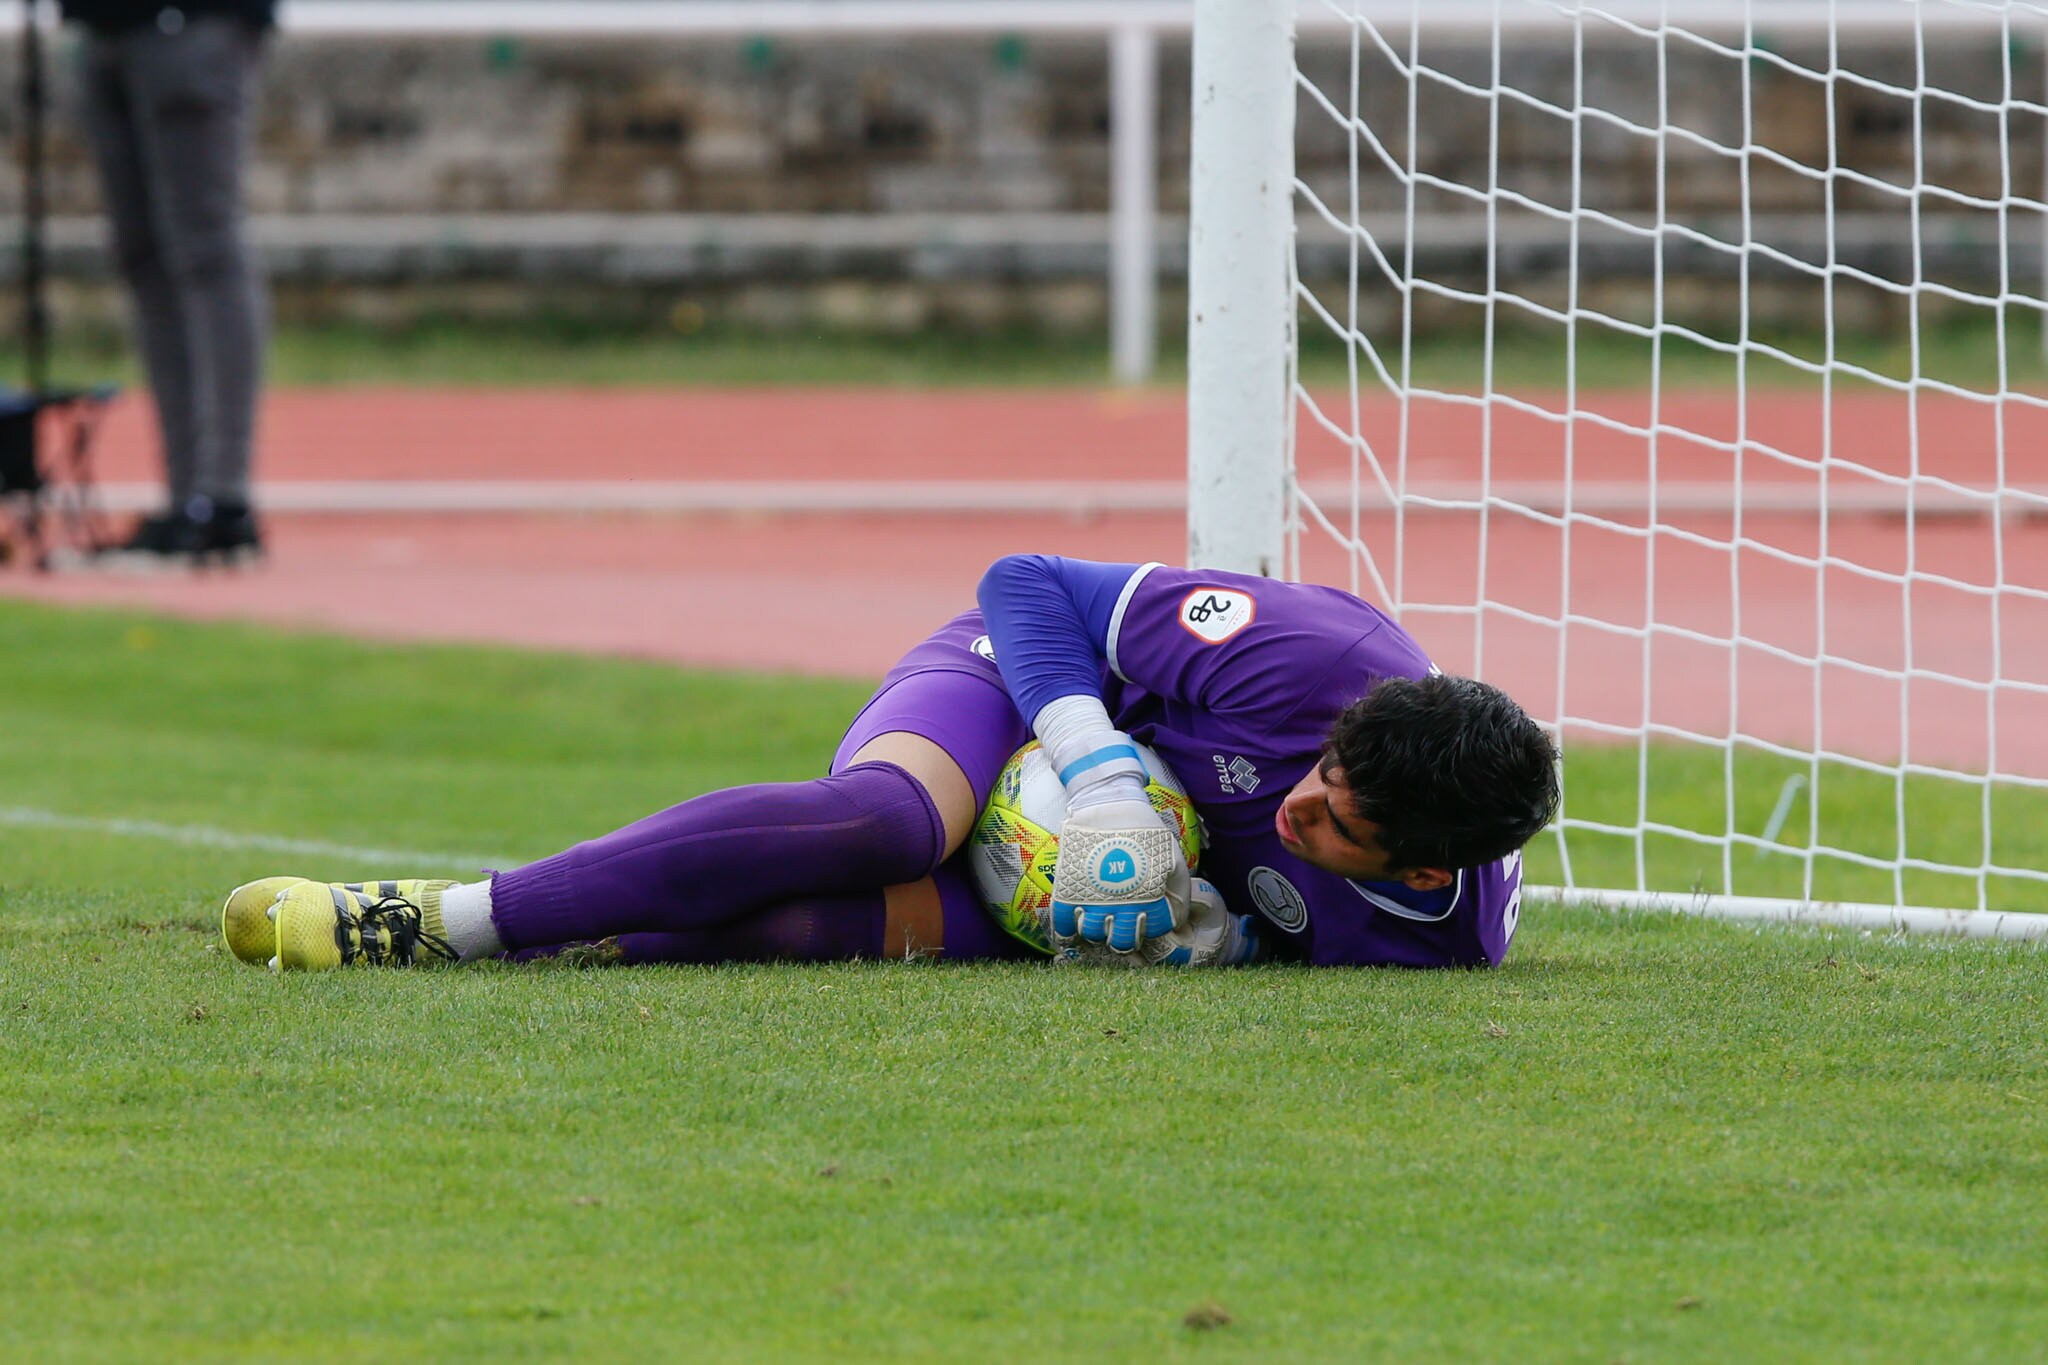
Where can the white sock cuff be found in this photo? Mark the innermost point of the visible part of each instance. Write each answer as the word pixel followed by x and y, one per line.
pixel 466 920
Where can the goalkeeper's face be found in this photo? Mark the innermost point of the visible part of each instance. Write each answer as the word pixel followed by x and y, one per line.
pixel 1319 823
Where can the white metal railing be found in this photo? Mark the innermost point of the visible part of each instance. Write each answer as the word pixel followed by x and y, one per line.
pixel 712 17
pixel 1095 16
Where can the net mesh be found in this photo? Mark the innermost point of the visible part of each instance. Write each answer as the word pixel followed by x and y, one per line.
pixel 1683 374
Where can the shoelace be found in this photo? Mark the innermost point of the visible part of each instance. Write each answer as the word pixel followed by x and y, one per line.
pixel 398 917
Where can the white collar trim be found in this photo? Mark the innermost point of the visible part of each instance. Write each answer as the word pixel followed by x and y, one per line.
pixel 1394 907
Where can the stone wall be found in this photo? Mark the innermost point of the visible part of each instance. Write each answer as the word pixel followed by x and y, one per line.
pixel 360 125
pixel 624 172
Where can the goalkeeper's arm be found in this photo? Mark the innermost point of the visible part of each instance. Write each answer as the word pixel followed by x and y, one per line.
pixel 1120 879
pixel 1049 620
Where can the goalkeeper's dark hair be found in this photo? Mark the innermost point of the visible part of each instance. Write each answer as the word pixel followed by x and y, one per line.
pixel 1450 769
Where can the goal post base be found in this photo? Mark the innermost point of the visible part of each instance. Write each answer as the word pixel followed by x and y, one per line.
pixel 1890 919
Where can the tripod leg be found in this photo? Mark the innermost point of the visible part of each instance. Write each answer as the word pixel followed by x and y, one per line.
pixel 82 515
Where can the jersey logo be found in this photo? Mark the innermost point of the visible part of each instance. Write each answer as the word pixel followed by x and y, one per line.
pixel 1277 899
pixel 1235 775
pixel 1216 614
pixel 984 648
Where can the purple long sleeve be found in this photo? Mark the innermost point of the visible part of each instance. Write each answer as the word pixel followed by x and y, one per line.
pixel 1049 622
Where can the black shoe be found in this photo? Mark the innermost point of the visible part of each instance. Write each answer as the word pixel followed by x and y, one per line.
pixel 219 532
pixel 161 533
pixel 205 533
pixel 156 543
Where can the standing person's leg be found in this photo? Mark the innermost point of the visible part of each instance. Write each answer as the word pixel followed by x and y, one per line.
pixel 192 91
pixel 110 115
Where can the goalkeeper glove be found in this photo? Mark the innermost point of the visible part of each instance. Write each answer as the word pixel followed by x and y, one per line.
pixel 1212 937
pixel 1120 878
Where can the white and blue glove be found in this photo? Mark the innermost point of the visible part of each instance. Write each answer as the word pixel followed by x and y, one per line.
pixel 1212 936
pixel 1121 878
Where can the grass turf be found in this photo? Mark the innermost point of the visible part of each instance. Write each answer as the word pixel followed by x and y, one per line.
pixel 446 351
pixel 1642 1139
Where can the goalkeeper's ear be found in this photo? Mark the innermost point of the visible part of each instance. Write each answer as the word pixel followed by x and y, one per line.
pixel 1425 879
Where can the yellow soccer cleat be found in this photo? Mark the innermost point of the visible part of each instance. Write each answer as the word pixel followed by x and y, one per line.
pixel 245 921
pixel 323 925
pixel 249 927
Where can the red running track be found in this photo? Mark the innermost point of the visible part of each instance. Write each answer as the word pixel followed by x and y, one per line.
pixel 845 595
pixel 1009 434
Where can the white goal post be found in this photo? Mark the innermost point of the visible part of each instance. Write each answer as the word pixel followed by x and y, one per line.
pixel 1677 366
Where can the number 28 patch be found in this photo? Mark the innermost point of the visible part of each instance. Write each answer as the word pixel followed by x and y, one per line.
pixel 1216 614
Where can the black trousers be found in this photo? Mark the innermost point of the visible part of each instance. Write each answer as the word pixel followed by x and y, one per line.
pixel 169 114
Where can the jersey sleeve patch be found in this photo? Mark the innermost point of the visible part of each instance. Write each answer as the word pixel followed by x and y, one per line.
pixel 1215 614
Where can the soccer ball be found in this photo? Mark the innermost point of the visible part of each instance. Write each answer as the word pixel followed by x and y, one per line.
pixel 1017 838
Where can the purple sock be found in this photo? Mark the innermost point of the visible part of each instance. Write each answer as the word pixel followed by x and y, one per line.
pixel 725 855
pixel 823 929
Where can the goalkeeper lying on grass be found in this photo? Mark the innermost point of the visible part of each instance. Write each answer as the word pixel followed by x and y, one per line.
pixel 1361 808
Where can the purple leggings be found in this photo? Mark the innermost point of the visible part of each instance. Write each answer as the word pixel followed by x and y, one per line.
pixel 790 870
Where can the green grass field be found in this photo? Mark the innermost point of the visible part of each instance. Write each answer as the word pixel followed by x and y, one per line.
pixel 1642 1139
pixel 440 352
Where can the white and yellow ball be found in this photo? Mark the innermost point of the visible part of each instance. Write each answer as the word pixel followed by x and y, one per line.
pixel 1017 839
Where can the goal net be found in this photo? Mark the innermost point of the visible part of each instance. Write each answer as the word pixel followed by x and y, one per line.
pixel 1678 367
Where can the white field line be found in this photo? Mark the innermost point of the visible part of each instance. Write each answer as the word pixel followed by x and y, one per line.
pixel 407 861
pixel 1075 497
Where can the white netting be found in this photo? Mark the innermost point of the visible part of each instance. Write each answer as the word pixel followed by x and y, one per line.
pixel 1678 367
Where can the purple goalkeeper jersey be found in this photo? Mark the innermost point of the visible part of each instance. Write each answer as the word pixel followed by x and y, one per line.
pixel 1236 680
